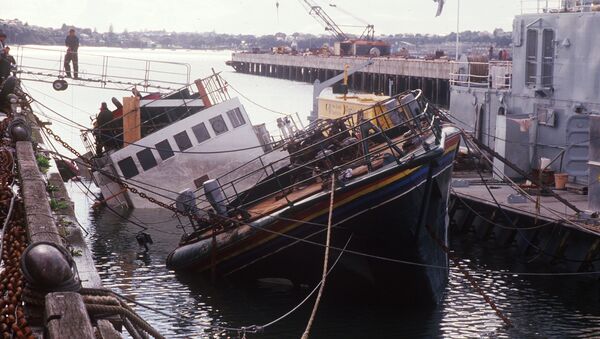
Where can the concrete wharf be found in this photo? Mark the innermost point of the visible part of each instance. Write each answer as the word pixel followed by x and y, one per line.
pixel 542 229
pixel 432 76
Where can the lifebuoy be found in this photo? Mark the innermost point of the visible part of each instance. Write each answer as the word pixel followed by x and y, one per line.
pixel 60 85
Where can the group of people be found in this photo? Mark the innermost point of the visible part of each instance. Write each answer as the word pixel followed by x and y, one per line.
pixel 108 128
pixel 502 54
pixel 8 62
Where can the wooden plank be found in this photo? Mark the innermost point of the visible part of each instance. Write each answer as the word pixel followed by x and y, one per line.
pixel 132 131
pixel 107 331
pixel 66 316
pixel 70 227
pixel 40 222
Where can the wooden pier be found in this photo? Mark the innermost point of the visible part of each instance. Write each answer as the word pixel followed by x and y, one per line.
pixel 432 76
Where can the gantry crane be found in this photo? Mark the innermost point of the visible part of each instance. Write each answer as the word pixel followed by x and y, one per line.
pixel 363 46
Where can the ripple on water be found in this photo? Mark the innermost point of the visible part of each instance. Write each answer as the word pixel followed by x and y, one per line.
pixel 538 308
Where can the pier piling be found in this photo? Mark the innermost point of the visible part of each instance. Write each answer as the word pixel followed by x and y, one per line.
pixel 432 76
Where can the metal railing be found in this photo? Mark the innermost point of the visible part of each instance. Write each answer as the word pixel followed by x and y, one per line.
pixel 113 72
pixel 215 89
pixel 343 144
pixel 493 74
pixel 559 6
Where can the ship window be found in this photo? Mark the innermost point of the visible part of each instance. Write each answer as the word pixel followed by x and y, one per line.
pixel 547 57
pixel 182 140
pixel 164 149
pixel 531 57
pixel 128 168
pixel 201 132
pixel 236 117
pixel 218 125
pixel 146 159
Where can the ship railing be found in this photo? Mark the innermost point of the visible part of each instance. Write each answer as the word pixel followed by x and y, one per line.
pixel 307 164
pixel 493 74
pixel 558 6
pixel 282 129
pixel 215 88
pixel 45 64
pixel 214 91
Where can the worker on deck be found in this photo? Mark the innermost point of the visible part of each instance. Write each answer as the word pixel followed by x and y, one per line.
pixel 72 43
pixel 11 60
pixel 4 62
pixel 104 130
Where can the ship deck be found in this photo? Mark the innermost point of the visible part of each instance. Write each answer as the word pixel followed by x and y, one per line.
pixel 296 193
pixel 545 208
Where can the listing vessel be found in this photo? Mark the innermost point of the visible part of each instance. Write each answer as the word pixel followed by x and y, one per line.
pixel 389 166
pixel 165 144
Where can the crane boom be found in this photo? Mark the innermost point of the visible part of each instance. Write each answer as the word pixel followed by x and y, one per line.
pixel 321 16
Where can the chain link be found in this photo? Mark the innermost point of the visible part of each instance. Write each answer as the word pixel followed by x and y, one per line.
pixel 121 183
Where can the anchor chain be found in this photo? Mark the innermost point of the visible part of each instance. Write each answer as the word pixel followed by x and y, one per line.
pixel 121 183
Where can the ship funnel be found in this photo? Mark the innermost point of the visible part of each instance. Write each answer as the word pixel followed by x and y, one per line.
pixel 214 195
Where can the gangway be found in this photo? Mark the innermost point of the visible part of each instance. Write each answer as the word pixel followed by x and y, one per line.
pixel 100 71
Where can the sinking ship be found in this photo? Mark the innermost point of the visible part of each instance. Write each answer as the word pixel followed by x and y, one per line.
pixel 389 166
pixel 166 144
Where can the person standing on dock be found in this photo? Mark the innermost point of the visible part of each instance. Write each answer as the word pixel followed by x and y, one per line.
pixel 72 43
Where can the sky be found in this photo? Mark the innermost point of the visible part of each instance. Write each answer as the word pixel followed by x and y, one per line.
pixel 262 17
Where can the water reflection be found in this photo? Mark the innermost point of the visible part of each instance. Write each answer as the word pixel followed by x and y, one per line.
pixel 559 307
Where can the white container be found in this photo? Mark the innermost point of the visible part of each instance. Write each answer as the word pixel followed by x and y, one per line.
pixel 544 163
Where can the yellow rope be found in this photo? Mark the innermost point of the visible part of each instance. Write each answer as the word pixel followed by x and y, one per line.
pixel 325 260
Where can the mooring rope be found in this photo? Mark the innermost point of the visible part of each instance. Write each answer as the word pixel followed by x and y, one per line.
pixel 469 277
pixel 325 261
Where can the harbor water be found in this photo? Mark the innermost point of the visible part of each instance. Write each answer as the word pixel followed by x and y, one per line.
pixel 537 306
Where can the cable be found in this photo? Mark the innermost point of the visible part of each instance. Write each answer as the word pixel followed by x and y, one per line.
pixel 116 138
pixel 464 203
pixel 255 103
pixel 325 261
pixel 512 222
pixel 12 202
pixel 563 146
pixel 313 290
pixel 246 328
pixel 527 195
pixel 396 260
pixel 140 224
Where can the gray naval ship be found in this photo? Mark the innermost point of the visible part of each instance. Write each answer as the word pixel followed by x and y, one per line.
pixel 542 107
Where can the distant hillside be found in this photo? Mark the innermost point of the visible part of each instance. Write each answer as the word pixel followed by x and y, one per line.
pixel 23 33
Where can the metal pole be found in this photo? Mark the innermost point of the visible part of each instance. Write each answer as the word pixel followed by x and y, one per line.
pixel 457 28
